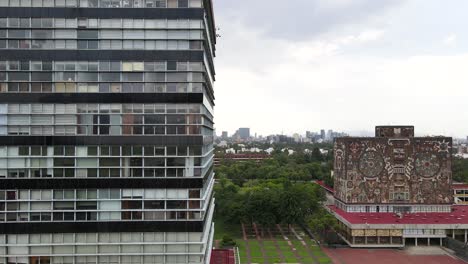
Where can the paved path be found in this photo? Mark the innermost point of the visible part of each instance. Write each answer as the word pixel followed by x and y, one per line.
pixel 260 242
pixel 289 242
pixel 334 257
pixel 246 240
pixel 283 259
pixel 304 243
pixel 385 256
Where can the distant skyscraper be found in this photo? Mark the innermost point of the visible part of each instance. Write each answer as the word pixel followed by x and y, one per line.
pixel 106 131
pixel 224 135
pixel 244 133
pixel 322 134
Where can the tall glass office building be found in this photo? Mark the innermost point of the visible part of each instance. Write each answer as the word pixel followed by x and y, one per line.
pixel 106 131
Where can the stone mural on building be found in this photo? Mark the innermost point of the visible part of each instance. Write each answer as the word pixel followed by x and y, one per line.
pixel 393 168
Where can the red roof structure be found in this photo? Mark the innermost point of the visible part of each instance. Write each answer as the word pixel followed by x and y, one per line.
pixel 222 256
pixel 455 186
pixel 460 186
pixel 459 215
pixel 326 187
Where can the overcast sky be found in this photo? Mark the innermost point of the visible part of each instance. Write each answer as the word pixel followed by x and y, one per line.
pixel 348 65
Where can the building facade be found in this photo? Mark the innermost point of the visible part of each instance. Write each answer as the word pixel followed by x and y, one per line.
pixel 106 131
pixel 393 169
pixel 244 133
pixel 396 189
pixel 460 193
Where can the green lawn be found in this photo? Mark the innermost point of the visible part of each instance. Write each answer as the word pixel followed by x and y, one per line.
pixel 270 251
pixel 271 254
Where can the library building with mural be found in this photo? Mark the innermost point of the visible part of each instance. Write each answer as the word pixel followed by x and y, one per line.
pixel 396 189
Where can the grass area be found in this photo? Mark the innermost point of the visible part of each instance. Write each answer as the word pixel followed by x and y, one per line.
pixel 324 260
pixel 242 251
pixel 269 250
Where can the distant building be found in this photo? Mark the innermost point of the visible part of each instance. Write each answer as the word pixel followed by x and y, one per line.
pixel 285 139
pixel 240 157
pixel 244 133
pixel 230 151
pixel 330 135
pixel 297 138
pixel 224 135
pixel 395 189
pixel 460 193
pixel 322 134
pixel 223 144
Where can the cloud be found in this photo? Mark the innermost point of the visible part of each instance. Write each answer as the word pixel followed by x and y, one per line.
pixel 301 19
pixel 275 85
pixel 450 40
pixel 326 47
pixel 366 36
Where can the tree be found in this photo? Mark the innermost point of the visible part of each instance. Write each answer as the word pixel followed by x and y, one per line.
pixel 298 202
pixel 227 241
pixel 316 154
pixel 323 224
pixel 460 170
pixel 328 180
pixel 261 205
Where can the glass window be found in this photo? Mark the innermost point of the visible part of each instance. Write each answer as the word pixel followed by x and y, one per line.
pixel 132 77
pixel 13 22
pixel 87 34
pixel 172 3
pixel 41 76
pixel 20 33
pixel 88 76
pixel 110 77
pixel 195 3
pixel 111 34
pixel 47 22
pixel 42 34
pixel 65 33
pixel 115 65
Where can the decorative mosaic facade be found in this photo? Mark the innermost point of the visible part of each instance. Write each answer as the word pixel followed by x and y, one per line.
pixel 393 168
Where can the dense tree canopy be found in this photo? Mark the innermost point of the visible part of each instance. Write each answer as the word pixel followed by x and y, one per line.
pixel 295 167
pixel 267 202
pixel 460 170
pixel 276 190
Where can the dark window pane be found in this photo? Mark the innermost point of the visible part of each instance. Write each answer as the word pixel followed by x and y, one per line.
pixel 87 34
pixel 176 204
pixel 183 3
pixel 154 204
pixel 171 65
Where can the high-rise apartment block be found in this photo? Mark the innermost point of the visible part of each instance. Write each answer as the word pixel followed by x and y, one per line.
pixel 106 131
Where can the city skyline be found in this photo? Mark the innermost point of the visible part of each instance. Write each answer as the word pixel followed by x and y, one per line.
pixel 353 133
pixel 348 65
